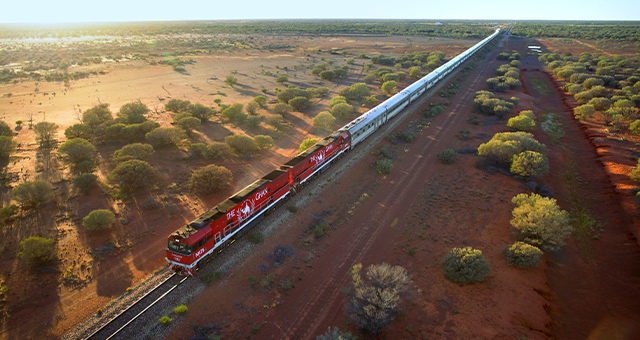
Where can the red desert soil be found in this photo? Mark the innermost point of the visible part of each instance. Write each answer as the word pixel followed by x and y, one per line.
pixel 587 290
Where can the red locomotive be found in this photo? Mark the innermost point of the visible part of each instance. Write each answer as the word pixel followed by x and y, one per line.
pixel 236 215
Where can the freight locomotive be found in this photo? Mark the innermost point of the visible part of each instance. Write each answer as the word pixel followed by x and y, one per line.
pixel 221 225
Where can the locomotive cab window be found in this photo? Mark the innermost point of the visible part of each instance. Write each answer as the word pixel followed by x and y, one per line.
pixel 180 248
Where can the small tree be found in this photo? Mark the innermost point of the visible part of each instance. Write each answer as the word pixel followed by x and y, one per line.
pixel 33 194
pixel 282 109
pixel 635 173
pixel 234 114
pixel 634 127
pixel 342 110
pixel 96 115
pixel 177 105
pixel 281 79
pixel 217 150
pixel 77 150
pixel 132 175
pixel 5 129
pixel 7 147
pixel 164 137
pixel 78 131
pixel 389 87
pixel 530 164
pixel 299 103
pixel 323 120
pixel 336 334
pixel 252 107
pixel 375 302
pixel 188 124
pixel 38 249
pixel 85 182
pixel 523 255
pixel 522 123
pixel 465 265
pixel 261 100
pixel 584 112
pixel 447 156
pixel 540 221
pixel 263 142
pixel 210 179
pixel 322 91
pixel 337 100
pixel 307 143
pixel 278 122
pixel 201 112
pixel 99 219
pixel 133 151
pixel 241 144
pixel 45 133
pixel 231 80
pixel 384 166
pixel 133 113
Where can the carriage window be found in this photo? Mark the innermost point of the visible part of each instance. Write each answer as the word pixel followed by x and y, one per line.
pixel 180 248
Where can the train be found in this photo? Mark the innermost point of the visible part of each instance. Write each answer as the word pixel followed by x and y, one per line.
pixel 212 231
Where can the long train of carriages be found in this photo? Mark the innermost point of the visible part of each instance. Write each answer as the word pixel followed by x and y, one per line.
pixel 221 225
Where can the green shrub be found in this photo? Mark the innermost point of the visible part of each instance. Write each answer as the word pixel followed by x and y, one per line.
pixel 324 120
pixel 33 194
pixel 99 219
pixel 530 164
pixel 77 150
pixel 164 137
pixel 263 142
pixel 165 320
pixel 522 123
pixel 241 144
pixel 503 146
pixel 465 265
pixel 447 156
pixel 584 112
pixel 293 208
pixel 38 249
pixel 307 143
pixel 210 278
pixel 635 173
pixel 209 179
pixel 133 151
pixel 85 182
pixel 256 237
pixel 132 175
pixel 8 213
pixel 384 166
pixel 523 255
pixel 540 221
pixel 217 150
pixel 181 310
pixel 634 127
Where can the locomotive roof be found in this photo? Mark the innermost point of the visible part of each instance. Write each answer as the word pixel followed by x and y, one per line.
pixel 306 153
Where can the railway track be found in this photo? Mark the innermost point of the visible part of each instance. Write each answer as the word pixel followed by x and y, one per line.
pixel 114 328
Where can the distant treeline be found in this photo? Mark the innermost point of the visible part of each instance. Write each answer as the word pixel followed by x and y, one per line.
pixel 593 30
pixel 455 29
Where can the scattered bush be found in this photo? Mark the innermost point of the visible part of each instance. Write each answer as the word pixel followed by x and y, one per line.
pixel 342 110
pixel 133 151
pixel 324 120
pixel 530 164
pixel 299 103
pixel 503 146
pixel 234 114
pixel 522 123
pixel 465 265
pixel 165 320
pixel 85 182
pixel 282 109
pixel 583 97
pixel 8 213
pixel 217 150
pixel 384 166
pixel 132 175
pixel 523 255
pixel 32 194
pixel 540 221
pixel 7 147
pixel 263 142
pixel 486 103
pixel 256 237
pixel 99 219
pixel 181 310
pixel 635 173
pixel 584 112
pixel 241 144
pixel 355 92
pixel 177 105
pixel 375 302
pixel 252 107
pixel 38 249
pixel 634 127
pixel 164 137
pixel 447 156
pixel 389 87
pixel 307 143
pixel 210 179
pixel 261 100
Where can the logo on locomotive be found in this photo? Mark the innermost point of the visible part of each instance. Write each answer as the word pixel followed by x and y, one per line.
pixel 321 156
pixel 247 208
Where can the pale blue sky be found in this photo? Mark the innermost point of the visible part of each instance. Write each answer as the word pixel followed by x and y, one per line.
pixel 49 11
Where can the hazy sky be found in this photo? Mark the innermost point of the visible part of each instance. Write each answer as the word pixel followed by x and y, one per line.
pixel 48 11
